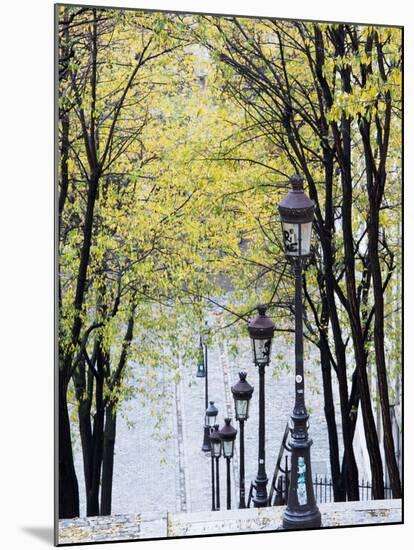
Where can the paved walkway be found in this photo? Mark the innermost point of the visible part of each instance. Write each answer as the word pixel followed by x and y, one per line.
pixel 170 473
pixel 146 463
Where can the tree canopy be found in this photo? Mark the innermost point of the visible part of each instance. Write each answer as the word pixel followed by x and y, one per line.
pixel 177 136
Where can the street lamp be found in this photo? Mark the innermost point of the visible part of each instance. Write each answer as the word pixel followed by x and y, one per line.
pixel 228 435
pixel 202 372
pixel 211 415
pixel 296 213
pixel 261 331
pixel 215 456
pixel 242 393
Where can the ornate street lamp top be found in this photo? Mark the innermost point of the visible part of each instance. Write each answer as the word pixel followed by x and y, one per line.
pixel 261 327
pixel 227 432
pixel 242 389
pixel 227 435
pixel 296 206
pixel 216 443
pixel 212 410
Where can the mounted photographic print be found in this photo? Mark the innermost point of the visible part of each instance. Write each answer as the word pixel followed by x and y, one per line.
pixel 229 274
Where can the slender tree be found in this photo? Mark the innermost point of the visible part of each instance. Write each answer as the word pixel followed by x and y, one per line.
pixel 297 85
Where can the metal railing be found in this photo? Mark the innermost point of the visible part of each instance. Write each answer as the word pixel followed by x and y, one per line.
pixel 323 488
pixel 250 495
pixel 278 471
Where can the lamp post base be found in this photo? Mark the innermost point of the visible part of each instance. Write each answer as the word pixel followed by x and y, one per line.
pixel 242 497
pixel 310 519
pixel 302 511
pixel 206 447
pixel 260 499
pixel 213 488
pixel 260 502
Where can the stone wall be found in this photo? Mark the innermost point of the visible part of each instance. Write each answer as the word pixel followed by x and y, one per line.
pixel 148 526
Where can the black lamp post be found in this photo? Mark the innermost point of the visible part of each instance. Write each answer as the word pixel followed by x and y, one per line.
pixel 261 331
pixel 210 420
pixel 211 415
pixel 215 456
pixel 296 213
pixel 202 372
pixel 242 393
pixel 228 435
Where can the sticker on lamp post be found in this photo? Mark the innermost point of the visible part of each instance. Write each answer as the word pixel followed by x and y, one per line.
pixel 302 496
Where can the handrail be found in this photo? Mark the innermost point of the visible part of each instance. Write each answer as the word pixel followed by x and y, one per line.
pixel 249 498
pixel 283 448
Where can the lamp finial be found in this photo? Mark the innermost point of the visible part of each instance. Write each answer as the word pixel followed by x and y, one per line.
pixel 296 182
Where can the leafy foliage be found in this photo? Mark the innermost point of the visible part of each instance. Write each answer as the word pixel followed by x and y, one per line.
pixel 177 135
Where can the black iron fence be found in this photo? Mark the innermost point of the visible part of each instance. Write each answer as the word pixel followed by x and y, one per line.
pixel 323 490
pixel 323 486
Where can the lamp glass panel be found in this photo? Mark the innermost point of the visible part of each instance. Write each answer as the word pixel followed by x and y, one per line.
pixel 201 357
pixel 242 406
pixel 291 238
pixel 200 371
pixel 262 351
pixel 306 237
pixel 216 448
pixel 228 447
pixel 211 420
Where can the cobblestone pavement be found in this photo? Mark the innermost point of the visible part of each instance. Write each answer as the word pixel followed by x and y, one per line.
pixel 181 481
pixel 146 471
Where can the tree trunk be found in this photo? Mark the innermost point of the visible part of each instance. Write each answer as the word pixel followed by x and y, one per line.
pixel 352 414
pixel 329 409
pixel 97 439
pixel 350 468
pixel 389 447
pixel 110 420
pixel 375 185
pixel 84 397
pixel 108 461
pixel 358 342
pixel 68 483
pixel 344 142
pixel 65 54
pixel 370 430
pixel 64 155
